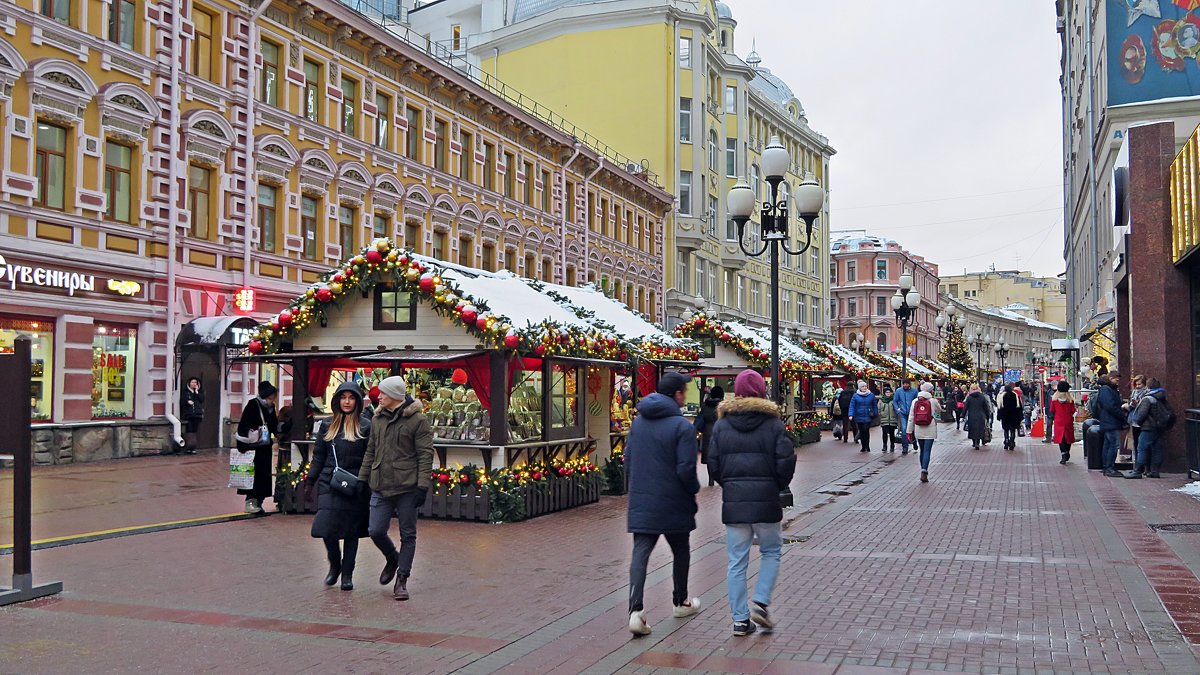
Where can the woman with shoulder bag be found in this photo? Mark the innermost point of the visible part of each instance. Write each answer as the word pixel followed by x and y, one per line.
pixel 343 504
pixel 257 425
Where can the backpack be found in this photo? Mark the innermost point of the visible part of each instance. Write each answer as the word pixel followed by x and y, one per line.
pixel 1161 417
pixel 837 407
pixel 922 412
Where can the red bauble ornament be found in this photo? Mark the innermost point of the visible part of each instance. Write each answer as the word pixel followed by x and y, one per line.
pixel 374 257
pixel 481 323
pixel 403 260
pixel 339 277
pixel 275 325
pixel 512 341
pixel 756 352
pixel 285 318
pixel 726 336
pixel 443 478
pixel 255 346
pixel 540 350
pixel 537 475
pixel 426 284
pixel 469 315
pixel 464 479
pixel 348 272
pixel 324 294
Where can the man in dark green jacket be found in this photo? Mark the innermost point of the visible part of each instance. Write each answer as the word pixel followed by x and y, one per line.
pixel 397 467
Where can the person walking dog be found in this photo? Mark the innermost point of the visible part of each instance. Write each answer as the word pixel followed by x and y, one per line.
pixel 398 468
pixel 752 458
pixel 660 461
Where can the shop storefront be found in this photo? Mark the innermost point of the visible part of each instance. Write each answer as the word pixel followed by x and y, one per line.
pixel 89 330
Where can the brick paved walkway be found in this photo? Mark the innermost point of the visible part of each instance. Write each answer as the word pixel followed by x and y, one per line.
pixel 1005 562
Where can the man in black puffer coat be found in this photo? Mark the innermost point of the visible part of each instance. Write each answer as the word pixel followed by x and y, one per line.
pixel 751 456
pixel 660 459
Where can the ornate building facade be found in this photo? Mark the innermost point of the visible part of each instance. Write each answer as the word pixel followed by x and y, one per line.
pixel 162 157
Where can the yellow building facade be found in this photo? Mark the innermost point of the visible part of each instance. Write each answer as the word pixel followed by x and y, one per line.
pixel 1040 298
pixel 662 83
pixel 197 150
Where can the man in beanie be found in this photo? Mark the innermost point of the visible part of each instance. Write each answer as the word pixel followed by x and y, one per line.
pixel 753 459
pixel 397 467
pixel 901 404
pixel 660 461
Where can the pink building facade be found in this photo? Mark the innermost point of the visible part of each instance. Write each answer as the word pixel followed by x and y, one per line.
pixel 865 273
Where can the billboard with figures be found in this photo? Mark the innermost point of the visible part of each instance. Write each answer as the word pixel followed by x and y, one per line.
pixel 1152 50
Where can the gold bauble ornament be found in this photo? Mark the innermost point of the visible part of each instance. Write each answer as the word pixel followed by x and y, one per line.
pixel 335 288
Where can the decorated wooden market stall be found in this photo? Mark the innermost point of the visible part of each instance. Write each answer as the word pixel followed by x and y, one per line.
pixel 916 369
pixel 516 384
pixel 853 364
pixel 729 347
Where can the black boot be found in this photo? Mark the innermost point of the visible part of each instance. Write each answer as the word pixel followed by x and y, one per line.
pixel 1064 459
pixel 335 570
pixel 349 553
pixel 335 560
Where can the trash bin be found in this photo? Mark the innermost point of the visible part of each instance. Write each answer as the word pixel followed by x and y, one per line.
pixel 1093 444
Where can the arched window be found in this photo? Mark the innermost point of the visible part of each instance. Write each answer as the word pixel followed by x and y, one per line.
pixel 881 342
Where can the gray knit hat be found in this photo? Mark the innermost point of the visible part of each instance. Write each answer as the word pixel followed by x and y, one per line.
pixel 393 387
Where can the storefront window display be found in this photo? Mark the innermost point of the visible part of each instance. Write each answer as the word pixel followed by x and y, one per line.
pixel 525 408
pixel 113 368
pixel 41 334
pixel 564 396
pixel 453 407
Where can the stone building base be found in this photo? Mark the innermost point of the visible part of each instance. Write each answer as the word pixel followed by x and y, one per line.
pixel 77 443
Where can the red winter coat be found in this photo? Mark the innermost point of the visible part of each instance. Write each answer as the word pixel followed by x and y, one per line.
pixel 1064 418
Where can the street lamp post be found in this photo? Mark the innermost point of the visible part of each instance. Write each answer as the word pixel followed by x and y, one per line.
pixel 809 197
pixel 1001 353
pixel 980 343
pixel 904 303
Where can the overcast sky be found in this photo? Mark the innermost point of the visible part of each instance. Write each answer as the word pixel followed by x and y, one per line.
pixel 946 118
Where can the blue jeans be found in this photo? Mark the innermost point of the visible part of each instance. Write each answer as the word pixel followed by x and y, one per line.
pixel 1149 451
pixel 926 445
pixel 1112 441
pixel 903 419
pixel 737 542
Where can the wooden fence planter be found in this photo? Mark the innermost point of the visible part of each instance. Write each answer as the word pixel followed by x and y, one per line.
pixel 811 435
pixel 460 502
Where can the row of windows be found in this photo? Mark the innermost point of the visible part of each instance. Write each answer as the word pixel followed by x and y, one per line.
pixel 736 290
pixel 121 24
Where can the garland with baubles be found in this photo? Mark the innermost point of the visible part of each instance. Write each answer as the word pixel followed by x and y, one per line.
pixel 844 365
pixel 702 326
pixel 647 349
pixel 382 262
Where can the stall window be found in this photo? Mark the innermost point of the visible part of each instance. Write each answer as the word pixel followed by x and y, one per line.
pixel 113 352
pixel 395 310
pixel 563 394
pixel 454 410
pixel 525 408
pixel 41 357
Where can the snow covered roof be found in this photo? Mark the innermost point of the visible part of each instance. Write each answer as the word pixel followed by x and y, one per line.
pixel 791 350
pixel 525 9
pixel 612 312
pixel 914 367
pixel 850 356
pixel 1006 314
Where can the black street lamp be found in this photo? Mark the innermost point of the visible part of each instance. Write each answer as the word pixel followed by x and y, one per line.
pixel 1001 353
pixel 809 197
pixel 904 304
pixel 952 323
pixel 980 343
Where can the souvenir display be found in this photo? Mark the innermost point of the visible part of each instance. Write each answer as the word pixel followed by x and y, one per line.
pixel 452 407
pixel 525 409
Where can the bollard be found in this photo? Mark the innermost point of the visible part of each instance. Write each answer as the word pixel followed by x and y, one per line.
pixel 14 426
pixel 1093 444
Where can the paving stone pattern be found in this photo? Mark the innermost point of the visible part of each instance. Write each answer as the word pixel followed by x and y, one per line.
pixel 1005 562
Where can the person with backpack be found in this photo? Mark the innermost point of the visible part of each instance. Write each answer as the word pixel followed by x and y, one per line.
pixel 753 459
pixel 864 408
pixel 1062 412
pixel 901 403
pixel 922 426
pixel 1011 416
pixel 1155 417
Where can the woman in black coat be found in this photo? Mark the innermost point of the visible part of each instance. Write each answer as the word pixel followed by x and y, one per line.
pixel 341 442
pixel 705 419
pixel 977 410
pixel 1011 415
pixel 259 412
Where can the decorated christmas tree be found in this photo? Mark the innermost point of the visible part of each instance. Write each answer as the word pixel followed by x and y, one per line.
pixel 955 353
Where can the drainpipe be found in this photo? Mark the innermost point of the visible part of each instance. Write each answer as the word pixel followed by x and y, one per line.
pixel 175 176
pixel 566 203
pixel 249 193
pixel 1091 146
pixel 587 231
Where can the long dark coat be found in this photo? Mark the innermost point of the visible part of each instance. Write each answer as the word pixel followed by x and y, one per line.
pixel 1010 413
pixel 256 413
pixel 339 516
pixel 977 410
pixel 752 458
pixel 705 419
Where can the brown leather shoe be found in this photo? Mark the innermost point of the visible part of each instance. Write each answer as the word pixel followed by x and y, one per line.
pixel 924 476
pixel 400 590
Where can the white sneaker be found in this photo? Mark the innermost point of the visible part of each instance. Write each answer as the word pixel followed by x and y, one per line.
pixel 252 506
pixel 637 623
pixel 688 608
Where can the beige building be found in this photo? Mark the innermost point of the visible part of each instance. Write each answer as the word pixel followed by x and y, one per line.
pixel 1039 298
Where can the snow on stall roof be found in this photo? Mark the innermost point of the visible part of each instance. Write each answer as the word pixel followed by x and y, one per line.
pixel 913 366
pixel 608 310
pixel 849 355
pixel 791 350
pixel 506 295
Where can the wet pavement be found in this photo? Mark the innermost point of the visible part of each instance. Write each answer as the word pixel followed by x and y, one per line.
pixel 1006 562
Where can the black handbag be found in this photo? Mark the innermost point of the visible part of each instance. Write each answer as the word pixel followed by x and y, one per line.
pixel 342 481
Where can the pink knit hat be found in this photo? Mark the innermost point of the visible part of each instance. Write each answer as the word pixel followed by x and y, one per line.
pixel 750 384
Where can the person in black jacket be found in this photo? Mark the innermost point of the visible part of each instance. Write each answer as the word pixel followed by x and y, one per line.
pixel 341 442
pixel 191 412
pixel 752 457
pixel 259 412
pixel 843 398
pixel 1010 415
pixel 705 419
pixel 660 460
